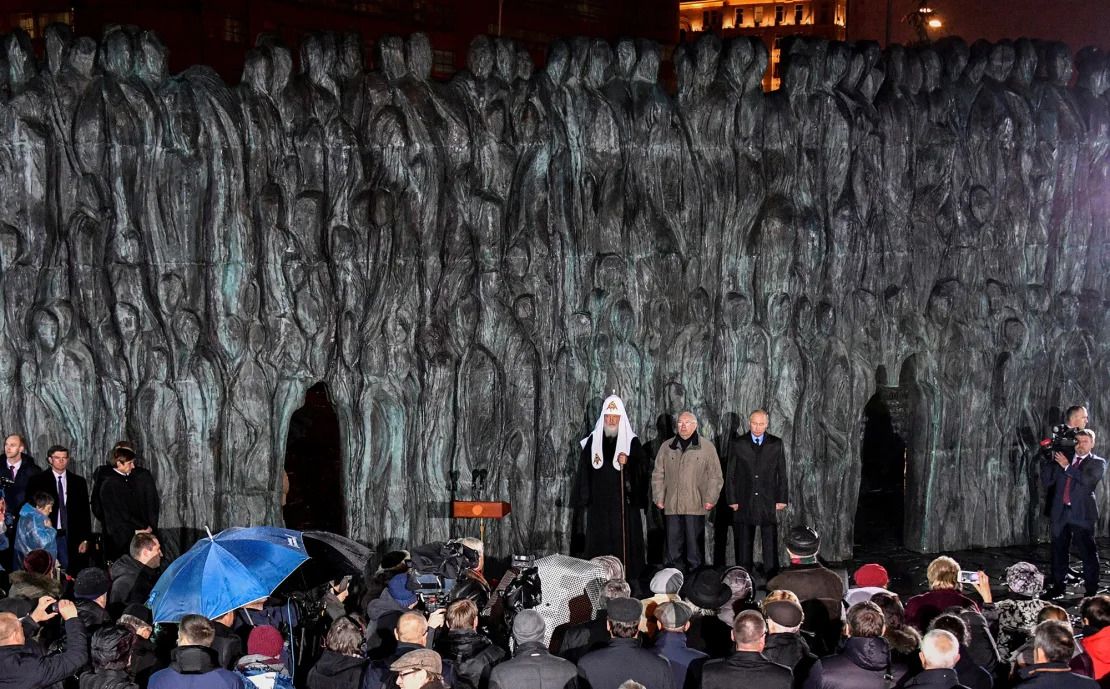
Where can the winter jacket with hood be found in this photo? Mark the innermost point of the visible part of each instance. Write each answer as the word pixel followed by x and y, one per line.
pixel 336 671
pixel 474 656
pixel 862 663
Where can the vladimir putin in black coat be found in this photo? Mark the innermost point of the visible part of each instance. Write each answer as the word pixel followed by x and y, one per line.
pixel 756 489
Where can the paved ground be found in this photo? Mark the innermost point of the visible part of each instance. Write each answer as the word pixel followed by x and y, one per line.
pixel 877 541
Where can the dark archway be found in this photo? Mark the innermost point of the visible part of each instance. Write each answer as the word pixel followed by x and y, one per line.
pixel 881 506
pixel 314 466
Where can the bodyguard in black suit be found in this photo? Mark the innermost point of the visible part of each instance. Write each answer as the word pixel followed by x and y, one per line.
pixel 755 490
pixel 70 513
pixel 19 467
pixel 1074 513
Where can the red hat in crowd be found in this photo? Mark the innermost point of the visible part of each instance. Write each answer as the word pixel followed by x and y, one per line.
pixel 265 641
pixel 872 574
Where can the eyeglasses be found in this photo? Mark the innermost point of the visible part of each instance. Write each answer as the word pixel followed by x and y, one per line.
pixel 406 673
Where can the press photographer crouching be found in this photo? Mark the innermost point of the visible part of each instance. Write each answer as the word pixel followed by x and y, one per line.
pixel 22 666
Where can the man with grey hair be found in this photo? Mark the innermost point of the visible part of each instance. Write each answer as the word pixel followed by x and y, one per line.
pixel 940 651
pixel 685 484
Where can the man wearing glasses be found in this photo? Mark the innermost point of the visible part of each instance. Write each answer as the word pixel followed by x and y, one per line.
pixel 420 669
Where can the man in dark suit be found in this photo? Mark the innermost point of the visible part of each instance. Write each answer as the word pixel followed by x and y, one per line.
pixel 756 490
pixel 1071 485
pixel 17 467
pixel 71 507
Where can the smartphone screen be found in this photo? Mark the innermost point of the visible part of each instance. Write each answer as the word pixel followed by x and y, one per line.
pixel 967 577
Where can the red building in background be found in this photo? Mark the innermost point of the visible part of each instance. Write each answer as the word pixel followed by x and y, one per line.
pixel 218 33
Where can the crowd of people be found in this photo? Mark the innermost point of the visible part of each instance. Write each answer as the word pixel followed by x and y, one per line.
pixel 696 627
pixel 805 628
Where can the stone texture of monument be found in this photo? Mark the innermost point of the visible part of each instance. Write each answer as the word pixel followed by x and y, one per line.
pixel 472 266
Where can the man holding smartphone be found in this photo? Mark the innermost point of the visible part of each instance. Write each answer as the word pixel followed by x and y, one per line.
pixel 1071 485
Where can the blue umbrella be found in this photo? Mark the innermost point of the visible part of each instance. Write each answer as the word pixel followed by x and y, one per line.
pixel 223 572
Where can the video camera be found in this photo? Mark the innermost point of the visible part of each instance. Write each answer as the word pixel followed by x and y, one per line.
pixel 435 568
pixel 519 589
pixel 1062 440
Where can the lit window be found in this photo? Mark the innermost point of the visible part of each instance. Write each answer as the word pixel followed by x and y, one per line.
pixel 780 14
pixel 739 16
pixel 26 22
pixel 49 18
pixel 233 30
pixel 759 15
pixel 444 62
pixel 799 13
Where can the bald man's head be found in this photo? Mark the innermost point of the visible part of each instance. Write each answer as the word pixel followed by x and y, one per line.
pixel 412 628
pixel 11 631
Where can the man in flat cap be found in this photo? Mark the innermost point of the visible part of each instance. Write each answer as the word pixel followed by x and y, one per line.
pixel 623 658
pixel 674 619
pixel 819 589
pixel 419 669
pixel 612 455
pixel 785 644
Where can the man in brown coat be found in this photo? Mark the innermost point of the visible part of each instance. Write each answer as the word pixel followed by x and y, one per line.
pixel 685 484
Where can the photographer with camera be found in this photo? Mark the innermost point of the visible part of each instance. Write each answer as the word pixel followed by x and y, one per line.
pixel 1071 487
pixel 27 669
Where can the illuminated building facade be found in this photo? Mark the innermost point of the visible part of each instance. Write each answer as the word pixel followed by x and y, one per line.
pixel 771 20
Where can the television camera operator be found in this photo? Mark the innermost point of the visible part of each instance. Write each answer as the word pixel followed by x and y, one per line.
pixel 1070 483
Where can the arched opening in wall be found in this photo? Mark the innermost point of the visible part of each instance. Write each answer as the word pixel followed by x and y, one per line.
pixel 314 466
pixel 882 491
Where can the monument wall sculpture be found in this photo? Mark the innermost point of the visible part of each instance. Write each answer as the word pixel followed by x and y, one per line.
pixel 471 266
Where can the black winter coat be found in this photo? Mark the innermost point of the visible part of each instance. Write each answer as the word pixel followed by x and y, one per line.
pixel 534 667
pixel 746 669
pixel 1053 676
pixel 862 663
pixel 792 651
pixel 92 615
pixel 106 679
pixel 474 656
pixel 21 668
pixel 227 644
pixel 125 504
pixel 938 679
pixel 572 641
pixel 336 671
pixel 132 582
pixel 622 660
pixel 755 478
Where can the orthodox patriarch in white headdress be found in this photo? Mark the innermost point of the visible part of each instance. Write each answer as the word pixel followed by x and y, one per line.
pixel 611 483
